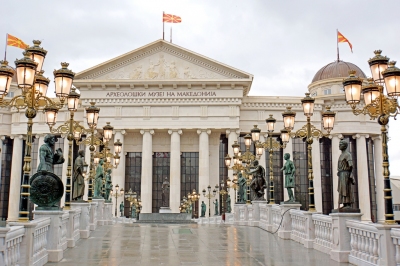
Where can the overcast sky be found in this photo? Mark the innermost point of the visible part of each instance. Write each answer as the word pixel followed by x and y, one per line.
pixel 282 43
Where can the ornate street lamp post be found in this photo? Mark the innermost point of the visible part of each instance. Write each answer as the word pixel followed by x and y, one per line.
pixel 223 192
pixel 117 194
pixel 308 131
pixel 33 98
pixel 378 105
pixel 209 196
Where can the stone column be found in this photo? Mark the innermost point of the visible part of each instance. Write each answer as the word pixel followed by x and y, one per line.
pixel 380 200
pixel 15 181
pixel 232 136
pixel 87 160
pixel 146 189
pixel 40 138
pixel 1 153
pixel 204 165
pixel 64 169
pixel 363 179
pixel 118 174
pixel 175 170
pixel 288 149
pixel 316 161
pixel 335 156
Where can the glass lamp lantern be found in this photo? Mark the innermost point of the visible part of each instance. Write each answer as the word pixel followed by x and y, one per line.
pixel 308 105
pixel 228 160
pixel 73 100
pixel 270 123
pixel 26 70
pixel 328 118
pixel 92 115
pixel 6 75
pixel 352 88
pixel 371 91
pixel 41 83
pixel 247 141
pixel 204 192
pixel 259 149
pixel 37 54
pixel 85 167
pixel 288 118
pixel 96 160
pixel 392 80
pixel 378 64
pixel 51 115
pixel 116 160
pixel 117 146
pixel 107 132
pixel 255 133
pixel 235 147
pixel 285 136
pixel 63 81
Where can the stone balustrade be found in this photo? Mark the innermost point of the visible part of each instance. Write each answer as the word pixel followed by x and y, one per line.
pixel 341 235
pixel 44 239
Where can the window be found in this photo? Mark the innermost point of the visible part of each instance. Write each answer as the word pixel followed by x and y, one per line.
pixel 371 178
pixel 6 162
pixel 327 91
pixel 277 162
pixel 161 163
pixel 133 175
pixel 301 178
pixel 313 94
pixel 325 148
pixel 190 176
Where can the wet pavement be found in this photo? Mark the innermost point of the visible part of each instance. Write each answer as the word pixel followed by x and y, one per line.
pixel 190 244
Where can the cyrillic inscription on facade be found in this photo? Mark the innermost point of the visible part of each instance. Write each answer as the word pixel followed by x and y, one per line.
pixel 158 94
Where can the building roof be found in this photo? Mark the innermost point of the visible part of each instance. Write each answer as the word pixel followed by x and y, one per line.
pixel 337 69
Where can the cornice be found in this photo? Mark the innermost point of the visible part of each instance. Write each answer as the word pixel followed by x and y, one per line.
pixel 160 101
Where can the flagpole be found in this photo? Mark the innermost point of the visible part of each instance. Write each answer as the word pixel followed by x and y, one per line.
pixel 5 50
pixel 163 25
pixel 337 44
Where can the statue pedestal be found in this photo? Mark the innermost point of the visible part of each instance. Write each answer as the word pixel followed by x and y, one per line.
pixel 341 236
pixel 241 214
pixel 254 215
pixel 93 216
pixel 100 211
pixel 165 210
pixel 56 241
pixel 286 227
pixel 108 215
pixel 84 226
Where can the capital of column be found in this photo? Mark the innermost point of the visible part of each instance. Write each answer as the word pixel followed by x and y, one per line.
pixel 3 137
pixel 179 131
pixel 151 131
pixel 122 131
pixel 339 136
pixel 39 135
pixel 17 136
pixel 208 131
pixel 233 130
pixel 377 137
pixel 357 136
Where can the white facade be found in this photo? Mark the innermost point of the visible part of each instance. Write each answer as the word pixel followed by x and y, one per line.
pixel 163 98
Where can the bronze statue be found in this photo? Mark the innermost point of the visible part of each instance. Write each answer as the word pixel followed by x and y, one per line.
pixel 47 157
pixel 164 195
pixel 242 188
pixel 78 179
pixel 216 206
pixel 121 208
pixel 346 180
pixel 228 204
pixel 289 171
pixel 133 211
pixel 258 184
pixel 98 180
pixel 203 209
pixel 109 185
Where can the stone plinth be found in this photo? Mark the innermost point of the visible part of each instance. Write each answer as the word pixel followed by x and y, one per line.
pixel 341 236
pixel 165 218
pixel 241 214
pixel 310 229
pixel 108 215
pixel 93 216
pixel 100 211
pixel 84 219
pixel 165 210
pixel 286 227
pixel 73 233
pixel 254 218
pixel 55 247
pixel 269 224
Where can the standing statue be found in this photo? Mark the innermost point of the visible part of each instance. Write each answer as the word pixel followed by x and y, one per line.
pixel 228 204
pixel 216 206
pixel 109 185
pixel 258 184
pixel 47 157
pixel 203 209
pixel 121 208
pixel 78 179
pixel 133 211
pixel 164 195
pixel 242 188
pixel 346 180
pixel 98 180
pixel 289 171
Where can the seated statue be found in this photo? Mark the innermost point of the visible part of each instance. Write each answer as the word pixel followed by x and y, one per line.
pixel 258 184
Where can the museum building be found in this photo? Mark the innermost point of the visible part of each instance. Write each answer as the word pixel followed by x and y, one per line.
pixel 177 114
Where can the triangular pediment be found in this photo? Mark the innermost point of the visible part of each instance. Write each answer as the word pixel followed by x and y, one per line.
pixel 161 60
